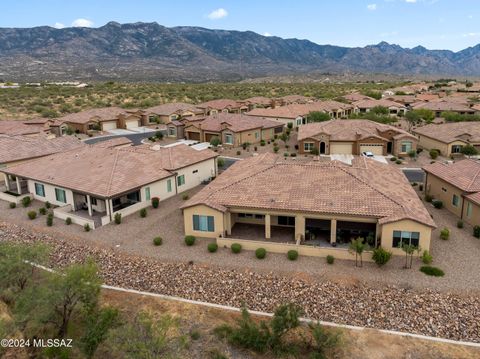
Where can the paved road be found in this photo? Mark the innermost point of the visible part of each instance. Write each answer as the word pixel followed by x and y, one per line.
pixel 136 138
pixel 414 174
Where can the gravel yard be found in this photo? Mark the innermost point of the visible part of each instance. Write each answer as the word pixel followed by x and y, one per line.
pixel 458 257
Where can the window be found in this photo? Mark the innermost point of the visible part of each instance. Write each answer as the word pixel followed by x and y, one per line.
pixel 152 118
pixel 169 185
pixel 171 131
pixel 93 201
pixel 308 146
pixel 203 223
pixel 455 200
pixel 256 135
pixel 404 237
pixel 259 216
pixel 406 146
pixel 229 138
pixel 299 122
pixel 278 129
pixel 147 193
pixel 40 189
pixel 181 180
pixel 444 189
pixel 134 196
pixel 196 171
pixel 60 195
pixel 286 221
pixel 469 209
pixel 456 148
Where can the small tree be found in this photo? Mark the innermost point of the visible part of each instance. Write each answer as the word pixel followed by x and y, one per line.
pixel 409 250
pixel 380 110
pixel 358 247
pixel 98 324
pixel 215 141
pixel 433 154
pixel 284 138
pixel 413 118
pixel 469 150
pixel 317 116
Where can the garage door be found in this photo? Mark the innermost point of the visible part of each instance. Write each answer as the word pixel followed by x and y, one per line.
pixel 131 124
pixel 193 136
pixel 109 125
pixel 376 149
pixel 341 148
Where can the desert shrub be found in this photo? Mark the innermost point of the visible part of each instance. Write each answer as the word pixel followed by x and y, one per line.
pixel 445 234
pixel 262 142
pixel 293 155
pixel 460 224
pixel 86 227
pixel 437 204
pixel 48 205
pixel 314 151
pixel 117 218
pixel 428 198
pixel 433 271
pixel 220 162
pixel 286 154
pixel 50 220
pixel 427 257
pixel 157 241
pixel 212 247
pixel 185 197
pixel 433 154
pixel 42 211
pixel 398 162
pixel 26 201
pixel 143 212
pixel 155 202
pixel 236 248
pixel 330 259
pixel 68 221
pixel 380 256
pixel 476 231
pixel 190 240
pixel 194 334
pixel 275 149
pixel 412 153
pixel 393 159
pixel 260 253
pixel 292 254
pixel 32 214
pixel 12 205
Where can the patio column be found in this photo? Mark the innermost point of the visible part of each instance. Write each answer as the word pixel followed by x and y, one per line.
pixel 299 227
pixel 89 205
pixel 7 182
pixel 19 188
pixel 267 226
pixel 333 231
pixel 107 208
pixel 377 233
pixel 228 221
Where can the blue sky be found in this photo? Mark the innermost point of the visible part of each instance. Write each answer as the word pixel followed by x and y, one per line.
pixel 435 24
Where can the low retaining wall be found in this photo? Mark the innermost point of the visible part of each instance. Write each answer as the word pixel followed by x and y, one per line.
pixel 304 250
pixel 13 199
pixel 132 209
pixel 66 212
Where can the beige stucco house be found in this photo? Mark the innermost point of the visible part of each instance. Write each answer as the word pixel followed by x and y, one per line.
pixel 457 185
pixel 169 112
pixel 92 184
pixel 316 207
pixel 446 105
pixel 222 106
pixel 448 138
pixel 364 106
pixel 355 137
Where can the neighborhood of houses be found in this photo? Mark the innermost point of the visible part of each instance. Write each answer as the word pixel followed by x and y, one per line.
pixel 308 199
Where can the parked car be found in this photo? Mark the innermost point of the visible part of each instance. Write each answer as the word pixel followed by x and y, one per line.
pixel 367 154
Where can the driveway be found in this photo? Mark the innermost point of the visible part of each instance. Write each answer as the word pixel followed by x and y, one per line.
pixel 134 136
pixel 348 158
pixel 414 174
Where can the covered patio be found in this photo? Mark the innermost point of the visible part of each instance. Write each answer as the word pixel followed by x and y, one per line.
pixel 255 232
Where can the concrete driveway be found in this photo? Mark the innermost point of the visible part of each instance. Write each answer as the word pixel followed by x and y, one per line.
pixel 348 158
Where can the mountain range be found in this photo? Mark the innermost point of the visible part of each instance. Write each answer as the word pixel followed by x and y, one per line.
pixel 151 52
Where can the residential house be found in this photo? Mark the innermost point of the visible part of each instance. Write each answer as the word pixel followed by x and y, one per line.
pixel 91 185
pixel 16 128
pixel 445 105
pixel 355 137
pixel 232 129
pixel 258 102
pixel 457 185
pixel 293 100
pixel 222 106
pixel 169 112
pixel 356 96
pixel 315 207
pixel 448 138
pixel 406 100
pixel 395 108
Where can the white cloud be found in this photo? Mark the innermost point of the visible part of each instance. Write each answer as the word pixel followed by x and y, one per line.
pixel 411 1
pixel 471 34
pixel 82 23
pixel 218 14
pixel 267 34
pixel 58 25
pixel 372 7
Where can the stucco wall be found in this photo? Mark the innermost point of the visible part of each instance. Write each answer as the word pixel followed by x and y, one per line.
pixel 50 194
pixel 204 211
pixel 430 143
pixel 405 225
pixel 434 186
pixel 474 218
pixel 159 189
pixel 206 169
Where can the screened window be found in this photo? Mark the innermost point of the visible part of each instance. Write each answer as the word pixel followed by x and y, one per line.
pixel 404 237
pixel 308 146
pixel 171 131
pixel 181 180
pixel 169 185
pixel 203 223
pixel 455 200
pixel 147 193
pixel 406 146
pixel 60 195
pixel 40 189
pixel 469 209
pixel 229 139
pixel 456 148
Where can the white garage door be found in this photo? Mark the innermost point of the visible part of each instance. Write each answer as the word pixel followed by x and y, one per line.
pixel 131 124
pixel 109 125
pixel 376 149
pixel 341 148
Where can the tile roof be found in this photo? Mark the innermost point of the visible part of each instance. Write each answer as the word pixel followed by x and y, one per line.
pixel 464 174
pixel 114 142
pixel 367 188
pixel 374 103
pixel 355 96
pixel 295 110
pixel 172 108
pixel 107 172
pixel 451 131
pixel 443 105
pixel 235 122
pixel 348 130
pixel 102 114
pixel 219 104
pixel 258 100
pixel 14 128
pixel 16 148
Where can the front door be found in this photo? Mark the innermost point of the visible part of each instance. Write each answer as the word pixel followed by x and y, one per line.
pixel 322 148
pixel 389 147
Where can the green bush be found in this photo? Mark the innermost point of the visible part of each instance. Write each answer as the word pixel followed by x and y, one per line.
pixel 412 153
pixel 314 151
pixel 185 197
pixel 330 259
pixel 437 204
pixel 50 220
pixel 476 231
pixel 262 142
pixel 427 257
pixel 220 162
pixel 190 240
pixel 86 227
pixel 68 221
pixel 260 253
pixel 393 159
pixel 293 155
pixel 398 162
pixel 275 149
pixel 48 205
pixel 32 214
pixel 157 241
pixel 292 254
pixel 433 271
pixel 428 198
pixel 26 201
pixel 433 154
pixel 42 211
pixel 12 205
pixel 445 234
pixel 460 224
pixel 155 202
pixel 236 247
pixel 143 212
pixel 117 218
pixel 381 256
pixel 212 247
pixel 239 153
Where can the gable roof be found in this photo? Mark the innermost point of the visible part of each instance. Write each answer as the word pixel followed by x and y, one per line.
pixel 235 123
pixel 451 131
pixel 367 188
pixel 172 108
pixel 356 96
pixel 295 110
pixel 444 105
pixel 16 128
pixel 464 174
pixel 258 100
pixel 374 103
pixel 219 104
pixel 102 114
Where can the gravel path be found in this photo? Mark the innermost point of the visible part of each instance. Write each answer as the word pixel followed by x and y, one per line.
pixel 428 312
pixel 458 257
